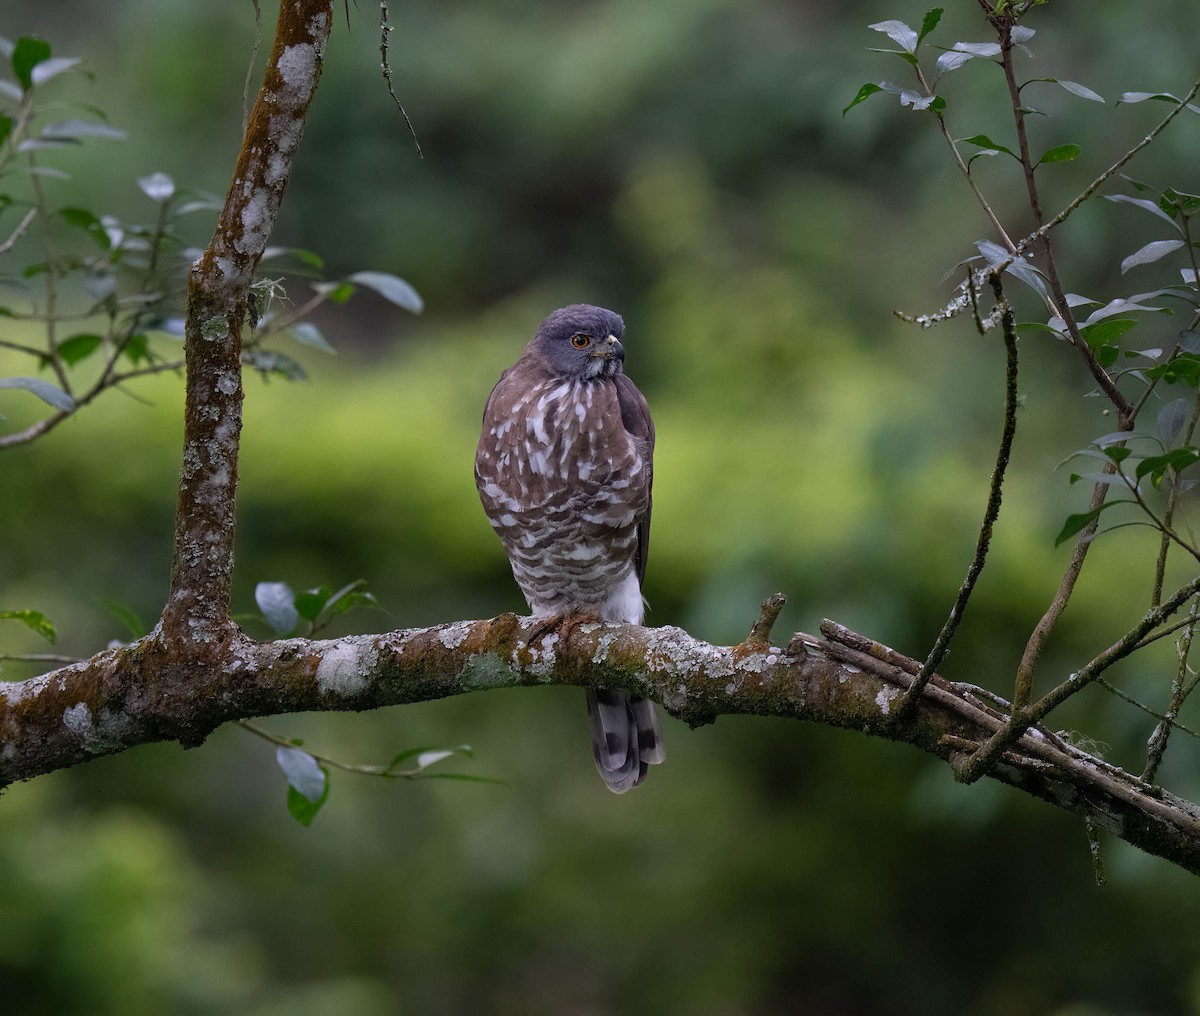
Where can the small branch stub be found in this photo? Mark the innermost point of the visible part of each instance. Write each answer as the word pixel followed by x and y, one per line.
pixel 760 631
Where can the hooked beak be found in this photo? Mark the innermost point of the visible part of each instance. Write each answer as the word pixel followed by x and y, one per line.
pixel 610 349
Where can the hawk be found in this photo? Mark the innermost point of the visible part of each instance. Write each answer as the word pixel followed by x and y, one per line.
pixel 563 468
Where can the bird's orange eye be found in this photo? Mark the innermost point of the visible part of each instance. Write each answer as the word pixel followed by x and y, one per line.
pixel 580 341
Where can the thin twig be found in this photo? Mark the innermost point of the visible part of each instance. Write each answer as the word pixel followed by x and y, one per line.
pixel 17 233
pixel 941 646
pixel 384 31
pixel 1156 747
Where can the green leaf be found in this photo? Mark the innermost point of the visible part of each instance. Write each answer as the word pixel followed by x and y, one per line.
pixel 78 347
pixel 27 54
pixel 301 808
pixel 89 222
pixel 1152 252
pixel 350 595
pixel 908 58
pixel 983 141
pixel 1077 523
pixel 35 620
pixel 1156 466
pixel 1184 369
pixel 45 391
pixel 136 348
pixel 126 615
pixel 335 292
pixel 1060 153
pixel 929 23
pixel 1106 356
pixel 310 603
pixel 867 90
pixel 278 606
pixel 1172 200
pixel 391 288
pixel 1106 331
pixel 6 126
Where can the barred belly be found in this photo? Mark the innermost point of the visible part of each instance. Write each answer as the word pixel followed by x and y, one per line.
pixel 563 484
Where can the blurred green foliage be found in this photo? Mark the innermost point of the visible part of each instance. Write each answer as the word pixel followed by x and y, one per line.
pixel 689 166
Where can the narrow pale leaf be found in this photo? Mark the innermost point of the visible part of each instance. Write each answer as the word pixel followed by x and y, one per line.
pixel 52 68
pixel 73 129
pixel 1152 252
pixel 391 288
pixel 45 391
pixel 929 23
pixel 308 334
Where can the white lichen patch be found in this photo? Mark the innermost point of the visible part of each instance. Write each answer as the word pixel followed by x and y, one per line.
pixel 542 655
pixel 485 670
pixel 78 720
pixel 454 635
pixel 345 666
pixel 15 691
pixel 887 695
pixel 668 649
pixel 754 662
pixel 602 647
pixel 675 698
pixel 257 214
pixel 298 69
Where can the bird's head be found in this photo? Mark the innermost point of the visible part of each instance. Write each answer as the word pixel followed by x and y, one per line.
pixel 580 342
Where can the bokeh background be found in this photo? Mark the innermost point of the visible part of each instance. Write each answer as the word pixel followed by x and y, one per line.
pixel 689 166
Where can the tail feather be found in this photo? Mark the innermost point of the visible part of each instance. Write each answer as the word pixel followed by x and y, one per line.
pixel 626 736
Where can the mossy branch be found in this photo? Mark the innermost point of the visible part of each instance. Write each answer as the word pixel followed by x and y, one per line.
pixel 157 690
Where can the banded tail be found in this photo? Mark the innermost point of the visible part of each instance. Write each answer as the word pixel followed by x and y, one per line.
pixel 626 736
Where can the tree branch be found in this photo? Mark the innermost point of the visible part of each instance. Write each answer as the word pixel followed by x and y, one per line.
pixel 157 689
pixel 218 290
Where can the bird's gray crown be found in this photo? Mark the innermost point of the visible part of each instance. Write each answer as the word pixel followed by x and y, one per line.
pixel 580 342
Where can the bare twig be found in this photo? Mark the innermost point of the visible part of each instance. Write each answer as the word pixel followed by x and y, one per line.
pixel 385 66
pixel 1181 686
pixel 19 231
pixel 941 645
